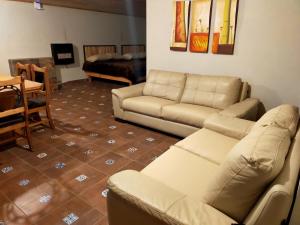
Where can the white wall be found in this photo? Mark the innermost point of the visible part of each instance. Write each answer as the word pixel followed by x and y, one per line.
pixel 267 51
pixel 26 32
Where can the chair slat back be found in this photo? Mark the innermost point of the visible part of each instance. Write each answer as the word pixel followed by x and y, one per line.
pixel 44 71
pixel 23 70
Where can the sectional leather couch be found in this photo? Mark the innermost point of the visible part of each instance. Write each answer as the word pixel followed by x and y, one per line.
pixel 232 171
pixel 179 103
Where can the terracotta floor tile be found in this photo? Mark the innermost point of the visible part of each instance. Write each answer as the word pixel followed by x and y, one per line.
pixel 82 113
pixel 109 163
pixel 11 168
pixel 59 166
pixel 11 214
pixel 132 151
pixel 22 184
pixel 85 214
pixel 43 199
pixel 72 179
pixel 133 166
pixel 96 196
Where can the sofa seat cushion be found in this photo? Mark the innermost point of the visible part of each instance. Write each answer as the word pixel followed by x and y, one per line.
pixel 212 91
pixel 148 105
pixel 182 170
pixel 208 144
pixel 189 114
pixel 165 84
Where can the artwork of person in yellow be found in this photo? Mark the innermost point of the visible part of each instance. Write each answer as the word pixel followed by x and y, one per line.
pixel 225 23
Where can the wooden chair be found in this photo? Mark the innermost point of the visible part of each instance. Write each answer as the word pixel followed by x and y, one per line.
pixel 41 100
pixel 14 116
pixel 23 70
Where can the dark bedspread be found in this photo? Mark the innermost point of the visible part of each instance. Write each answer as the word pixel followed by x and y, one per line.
pixel 134 70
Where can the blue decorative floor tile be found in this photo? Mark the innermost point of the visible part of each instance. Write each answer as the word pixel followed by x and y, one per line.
pixel 130 133
pixel 70 144
pixel 24 182
pixel 42 155
pixel 60 165
pixel 26 146
pixel 112 141
pixel 7 169
pixel 112 127
pixel 45 199
pixel 81 178
pixel 109 162
pixel 132 149
pixel 93 135
pixel 150 139
pixel 88 152
pixel 104 193
pixel 40 131
pixel 54 136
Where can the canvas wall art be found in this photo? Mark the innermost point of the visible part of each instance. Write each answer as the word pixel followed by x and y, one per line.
pixel 200 25
pixel 225 26
pixel 180 29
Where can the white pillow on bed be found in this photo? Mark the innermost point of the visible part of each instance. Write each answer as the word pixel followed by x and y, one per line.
pixel 127 56
pixel 100 57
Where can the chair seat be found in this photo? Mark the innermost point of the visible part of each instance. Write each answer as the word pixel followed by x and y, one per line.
pixel 35 103
pixel 11 120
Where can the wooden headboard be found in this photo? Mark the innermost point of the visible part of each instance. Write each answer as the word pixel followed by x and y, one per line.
pixel 132 49
pixel 89 50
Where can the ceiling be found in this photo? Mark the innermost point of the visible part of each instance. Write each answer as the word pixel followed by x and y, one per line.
pixel 125 7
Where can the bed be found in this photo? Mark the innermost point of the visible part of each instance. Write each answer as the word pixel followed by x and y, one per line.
pixel 129 71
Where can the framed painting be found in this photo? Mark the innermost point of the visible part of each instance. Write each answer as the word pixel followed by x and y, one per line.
pixel 225 26
pixel 200 25
pixel 180 28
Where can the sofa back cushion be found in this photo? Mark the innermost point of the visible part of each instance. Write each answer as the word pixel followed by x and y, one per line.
pixel 248 169
pixel 212 91
pixel 164 84
pixel 284 116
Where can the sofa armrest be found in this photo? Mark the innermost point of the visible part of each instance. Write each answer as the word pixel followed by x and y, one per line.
pixel 128 92
pixel 155 203
pixel 229 126
pixel 246 109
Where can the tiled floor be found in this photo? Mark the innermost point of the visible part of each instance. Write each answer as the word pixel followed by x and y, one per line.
pixel 64 178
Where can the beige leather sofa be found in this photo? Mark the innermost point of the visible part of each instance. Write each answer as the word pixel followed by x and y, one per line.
pixel 179 103
pixel 232 171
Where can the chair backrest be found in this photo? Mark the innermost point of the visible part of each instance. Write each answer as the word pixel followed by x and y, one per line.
pixel 41 74
pixel 14 90
pixel 23 70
